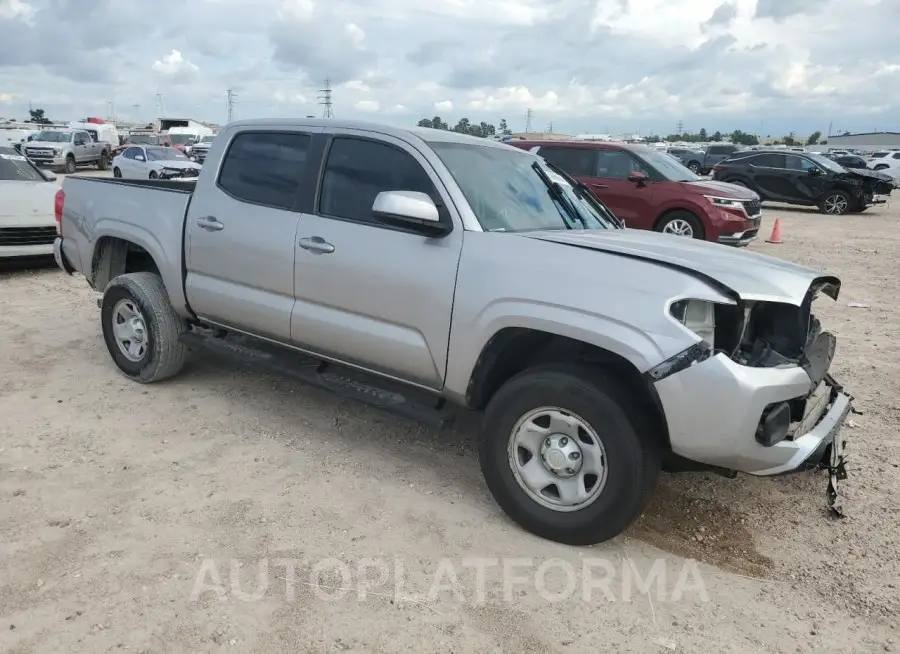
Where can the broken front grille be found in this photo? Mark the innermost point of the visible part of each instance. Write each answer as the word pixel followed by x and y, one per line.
pixel 11 236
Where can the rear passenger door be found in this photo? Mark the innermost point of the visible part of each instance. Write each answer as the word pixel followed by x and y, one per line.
pixel 367 293
pixel 242 227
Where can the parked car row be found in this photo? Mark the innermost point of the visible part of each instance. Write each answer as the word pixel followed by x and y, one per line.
pixel 598 355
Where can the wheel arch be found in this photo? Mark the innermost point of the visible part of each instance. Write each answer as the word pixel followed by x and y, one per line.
pixel 514 349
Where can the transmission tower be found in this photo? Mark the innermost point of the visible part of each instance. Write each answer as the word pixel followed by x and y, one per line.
pixel 679 127
pixel 137 113
pixel 231 96
pixel 160 105
pixel 325 100
pixel 528 116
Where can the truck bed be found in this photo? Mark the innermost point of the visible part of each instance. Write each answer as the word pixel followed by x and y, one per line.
pixel 147 213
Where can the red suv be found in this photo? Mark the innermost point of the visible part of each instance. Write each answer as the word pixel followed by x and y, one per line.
pixel 648 189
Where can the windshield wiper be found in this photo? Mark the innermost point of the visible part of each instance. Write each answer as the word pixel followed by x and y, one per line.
pixel 556 192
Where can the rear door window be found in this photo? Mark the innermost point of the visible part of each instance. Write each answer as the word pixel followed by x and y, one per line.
pixel 770 160
pixel 578 162
pixel 265 168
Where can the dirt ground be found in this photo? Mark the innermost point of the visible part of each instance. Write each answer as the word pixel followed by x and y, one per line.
pixel 119 503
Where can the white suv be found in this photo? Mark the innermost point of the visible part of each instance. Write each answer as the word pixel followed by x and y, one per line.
pixel 884 159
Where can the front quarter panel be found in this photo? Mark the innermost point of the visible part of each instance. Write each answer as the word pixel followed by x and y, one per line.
pixel 613 302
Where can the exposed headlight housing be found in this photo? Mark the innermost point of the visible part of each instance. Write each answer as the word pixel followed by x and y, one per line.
pixel 699 316
pixel 56 151
pixel 730 203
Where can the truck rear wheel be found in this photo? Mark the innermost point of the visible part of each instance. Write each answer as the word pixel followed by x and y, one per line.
pixel 567 455
pixel 141 329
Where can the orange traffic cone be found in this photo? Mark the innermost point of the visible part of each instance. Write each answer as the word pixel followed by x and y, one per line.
pixel 776 233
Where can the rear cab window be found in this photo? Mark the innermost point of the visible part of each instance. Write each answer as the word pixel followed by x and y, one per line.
pixel 266 168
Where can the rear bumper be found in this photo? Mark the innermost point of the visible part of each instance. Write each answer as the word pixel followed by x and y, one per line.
pixel 59 256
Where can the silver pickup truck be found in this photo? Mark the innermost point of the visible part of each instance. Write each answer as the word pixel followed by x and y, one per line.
pixel 425 272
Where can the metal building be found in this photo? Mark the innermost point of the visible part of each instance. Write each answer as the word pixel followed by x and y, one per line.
pixel 865 141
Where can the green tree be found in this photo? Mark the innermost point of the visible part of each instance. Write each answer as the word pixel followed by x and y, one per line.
pixel 717 136
pixel 504 128
pixel 463 126
pixel 814 138
pixel 702 136
pixel 37 116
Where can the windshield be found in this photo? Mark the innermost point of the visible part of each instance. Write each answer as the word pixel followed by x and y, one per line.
pixel 207 139
pixel 508 191
pixel 667 166
pixel 827 163
pixel 53 137
pixel 164 154
pixel 181 139
pixel 15 167
pixel 142 139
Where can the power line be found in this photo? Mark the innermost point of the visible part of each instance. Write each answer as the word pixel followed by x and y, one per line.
pixel 325 100
pixel 528 116
pixel 231 98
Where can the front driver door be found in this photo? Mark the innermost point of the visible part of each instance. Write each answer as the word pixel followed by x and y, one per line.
pixel 369 294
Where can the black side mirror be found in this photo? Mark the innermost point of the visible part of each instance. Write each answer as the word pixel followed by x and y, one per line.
pixel 814 171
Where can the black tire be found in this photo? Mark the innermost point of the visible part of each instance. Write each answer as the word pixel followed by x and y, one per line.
pixel 70 166
pixel 632 456
pixel 103 162
pixel 835 203
pixel 687 217
pixel 153 174
pixel 694 167
pixel 117 172
pixel 164 355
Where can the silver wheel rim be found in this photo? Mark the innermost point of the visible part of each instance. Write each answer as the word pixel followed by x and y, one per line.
pixel 130 330
pixel 835 204
pixel 557 459
pixel 679 227
pixel 694 168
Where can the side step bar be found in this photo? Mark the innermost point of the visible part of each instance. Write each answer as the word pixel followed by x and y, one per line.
pixel 394 398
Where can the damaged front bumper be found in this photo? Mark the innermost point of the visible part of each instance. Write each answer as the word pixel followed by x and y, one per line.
pixel 762 421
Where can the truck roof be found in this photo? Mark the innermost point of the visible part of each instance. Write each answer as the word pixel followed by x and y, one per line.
pixel 424 133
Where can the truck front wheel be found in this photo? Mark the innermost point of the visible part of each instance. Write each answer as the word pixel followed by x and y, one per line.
pixel 567 454
pixel 70 167
pixel 141 329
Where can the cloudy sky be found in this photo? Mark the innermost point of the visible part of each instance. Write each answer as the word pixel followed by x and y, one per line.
pixel 766 66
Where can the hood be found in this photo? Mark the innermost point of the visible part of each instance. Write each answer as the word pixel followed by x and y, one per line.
pixel 748 275
pixel 46 144
pixel 27 203
pixel 721 189
pixel 202 146
pixel 178 165
pixel 868 174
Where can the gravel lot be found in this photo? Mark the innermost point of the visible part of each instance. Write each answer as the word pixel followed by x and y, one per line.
pixel 116 499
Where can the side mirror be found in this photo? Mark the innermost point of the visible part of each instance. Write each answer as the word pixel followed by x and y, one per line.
pixel 409 208
pixel 50 175
pixel 638 178
pixel 813 171
pixel 139 158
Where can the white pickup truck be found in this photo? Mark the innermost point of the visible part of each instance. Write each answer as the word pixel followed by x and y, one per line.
pixel 427 272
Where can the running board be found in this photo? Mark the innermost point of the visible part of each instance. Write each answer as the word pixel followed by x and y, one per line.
pixel 383 394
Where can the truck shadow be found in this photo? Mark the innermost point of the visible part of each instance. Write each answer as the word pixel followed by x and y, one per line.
pixel 675 521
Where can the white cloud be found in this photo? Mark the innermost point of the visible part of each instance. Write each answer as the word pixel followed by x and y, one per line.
pixel 296 10
pixel 16 9
pixel 291 97
pixel 444 105
pixel 356 35
pixel 176 67
pixel 367 105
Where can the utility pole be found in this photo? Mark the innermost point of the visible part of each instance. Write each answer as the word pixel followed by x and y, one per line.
pixel 160 105
pixel 137 113
pixel 550 127
pixel 679 127
pixel 231 97
pixel 528 116
pixel 325 100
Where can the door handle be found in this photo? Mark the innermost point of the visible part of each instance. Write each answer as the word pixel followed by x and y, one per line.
pixel 210 224
pixel 316 245
pixel 598 185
